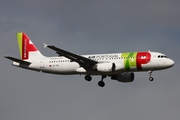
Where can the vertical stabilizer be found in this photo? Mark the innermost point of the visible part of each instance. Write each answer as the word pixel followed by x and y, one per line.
pixel 28 51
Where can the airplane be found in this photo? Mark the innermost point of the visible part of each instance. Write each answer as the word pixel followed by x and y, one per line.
pixel 117 66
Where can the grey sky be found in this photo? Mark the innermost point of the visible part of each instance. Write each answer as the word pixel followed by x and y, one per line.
pixel 86 27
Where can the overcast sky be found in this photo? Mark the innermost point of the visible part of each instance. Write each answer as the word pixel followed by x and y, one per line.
pixel 87 27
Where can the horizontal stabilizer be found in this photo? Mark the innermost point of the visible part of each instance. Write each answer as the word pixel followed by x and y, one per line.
pixel 18 60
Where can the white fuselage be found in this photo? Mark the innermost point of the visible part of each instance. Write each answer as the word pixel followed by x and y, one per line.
pixel 63 65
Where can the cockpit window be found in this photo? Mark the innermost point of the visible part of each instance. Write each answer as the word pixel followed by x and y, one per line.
pixel 162 56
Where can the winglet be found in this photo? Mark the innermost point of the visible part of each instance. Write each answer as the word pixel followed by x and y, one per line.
pixel 45 45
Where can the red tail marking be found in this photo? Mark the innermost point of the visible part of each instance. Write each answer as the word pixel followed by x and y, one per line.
pixel 26 47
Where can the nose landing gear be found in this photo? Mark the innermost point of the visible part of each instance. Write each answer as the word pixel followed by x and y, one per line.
pixel 150 76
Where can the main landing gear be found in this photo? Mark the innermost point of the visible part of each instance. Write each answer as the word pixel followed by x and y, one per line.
pixel 150 76
pixel 100 83
pixel 88 78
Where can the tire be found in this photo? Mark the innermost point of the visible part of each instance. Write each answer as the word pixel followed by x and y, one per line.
pixel 88 78
pixel 101 83
pixel 151 78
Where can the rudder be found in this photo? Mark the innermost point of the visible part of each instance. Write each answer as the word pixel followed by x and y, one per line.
pixel 28 51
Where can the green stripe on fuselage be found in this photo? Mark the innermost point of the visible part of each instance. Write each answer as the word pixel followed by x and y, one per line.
pixel 129 60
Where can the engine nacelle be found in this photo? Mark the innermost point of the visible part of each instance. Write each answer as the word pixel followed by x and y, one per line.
pixel 105 67
pixel 124 77
pixel 118 66
pixel 109 67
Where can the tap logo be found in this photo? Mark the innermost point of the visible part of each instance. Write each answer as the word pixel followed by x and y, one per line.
pixel 135 60
pixel 27 47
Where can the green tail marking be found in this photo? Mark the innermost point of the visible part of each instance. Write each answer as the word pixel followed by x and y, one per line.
pixel 19 38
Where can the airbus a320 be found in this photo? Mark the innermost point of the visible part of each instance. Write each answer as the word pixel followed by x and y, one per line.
pixel 117 66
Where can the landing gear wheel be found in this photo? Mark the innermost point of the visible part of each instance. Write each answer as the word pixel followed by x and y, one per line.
pixel 88 78
pixel 151 78
pixel 101 83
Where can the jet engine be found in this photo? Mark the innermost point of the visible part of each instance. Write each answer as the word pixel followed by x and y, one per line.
pixel 123 77
pixel 109 67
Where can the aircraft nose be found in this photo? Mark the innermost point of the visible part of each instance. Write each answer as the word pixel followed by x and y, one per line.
pixel 170 62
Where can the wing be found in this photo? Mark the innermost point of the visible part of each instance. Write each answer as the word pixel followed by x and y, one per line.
pixel 84 62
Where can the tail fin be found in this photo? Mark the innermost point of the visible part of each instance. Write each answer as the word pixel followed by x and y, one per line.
pixel 28 51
